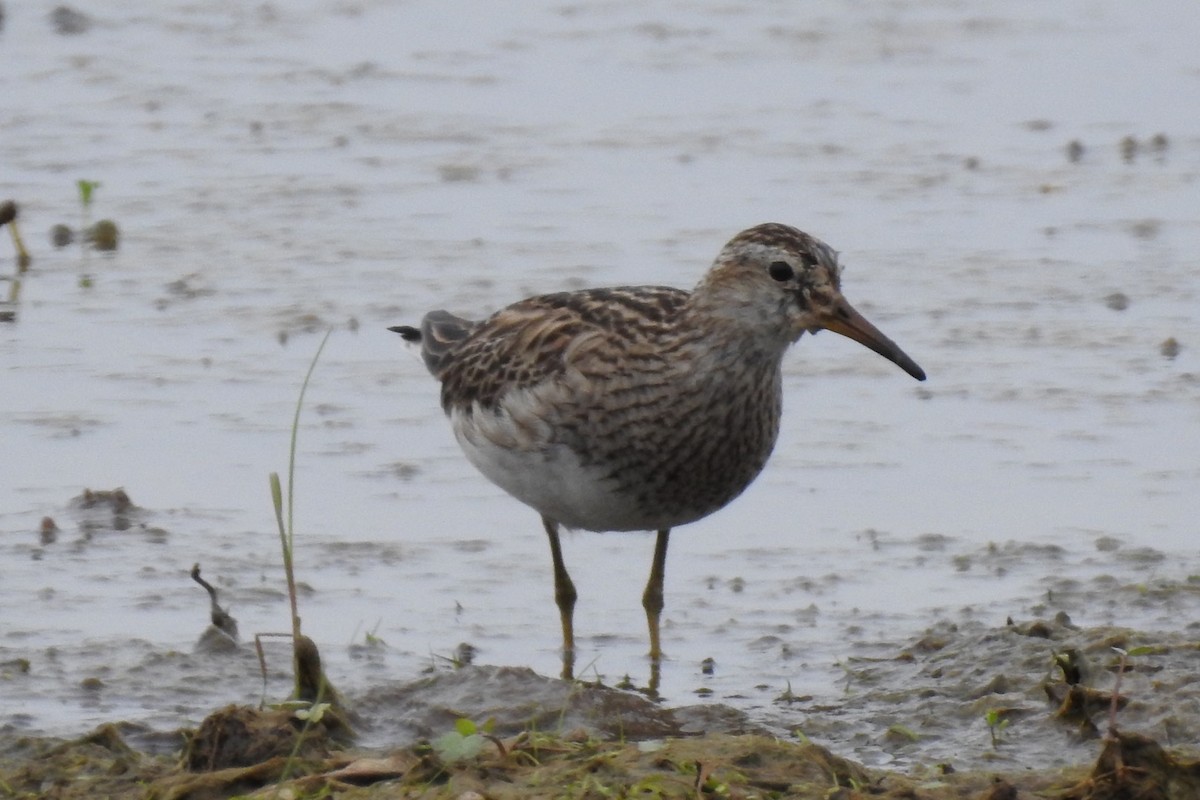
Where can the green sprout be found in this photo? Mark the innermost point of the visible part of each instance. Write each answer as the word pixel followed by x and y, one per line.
pixel 464 742
pixel 287 532
pixel 372 637
pixel 996 722
pixel 86 190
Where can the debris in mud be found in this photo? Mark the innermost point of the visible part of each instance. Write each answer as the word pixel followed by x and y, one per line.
pixel 1170 347
pixel 16 666
pixel 1129 148
pixel 519 699
pixel 1131 767
pixel 100 764
pixel 1117 301
pixel 1145 228
pixel 1078 704
pixel 312 685
pixel 1002 790
pixel 956 684
pixel 8 216
pixel 1156 146
pixel 66 21
pixel 48 531
pixel 106 510
pixel 464 654
pixel 553 738
pixel 61 235
pixel 239 736
pixel 1075 668
pixel 530 765
pixel 104 235
pixel 215 640
pixel 116 500
pixel 221 619
pixel 188 287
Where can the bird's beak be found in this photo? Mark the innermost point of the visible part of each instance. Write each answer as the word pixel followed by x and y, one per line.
pixel 843 319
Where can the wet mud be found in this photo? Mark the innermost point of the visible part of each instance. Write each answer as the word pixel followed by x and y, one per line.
pixel 593 742
pixel 962 709
pixel 963 706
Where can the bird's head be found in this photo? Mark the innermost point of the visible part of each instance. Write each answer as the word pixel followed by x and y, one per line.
pixel 776 277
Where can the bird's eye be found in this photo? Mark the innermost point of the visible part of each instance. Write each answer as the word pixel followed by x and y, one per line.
pixel 781 271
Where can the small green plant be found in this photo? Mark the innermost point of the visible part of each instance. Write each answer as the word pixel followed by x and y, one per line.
pixel 372 639
pixel 996 722
pixel 1116 692
pixel 287 532
pixel 104 235
pixel 788 697
pixel 464 742
pixel 650 787
pixel 903 733
pixel 303 650
pixel 313 713
pixel 847 670
pixel 705 783
pixel 86 190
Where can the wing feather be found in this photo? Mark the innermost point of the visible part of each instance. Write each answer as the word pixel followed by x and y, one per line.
pixel 540 340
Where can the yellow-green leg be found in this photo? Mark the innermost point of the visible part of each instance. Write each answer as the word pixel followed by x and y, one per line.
pixel 564 597
pixel 652 598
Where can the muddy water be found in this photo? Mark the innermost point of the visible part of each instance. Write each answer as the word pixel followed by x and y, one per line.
pixel 281 171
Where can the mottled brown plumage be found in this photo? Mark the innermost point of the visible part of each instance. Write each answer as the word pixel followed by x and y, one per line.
pixel 642 407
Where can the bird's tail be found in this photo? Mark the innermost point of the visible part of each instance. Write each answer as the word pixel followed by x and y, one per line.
pixel 440 331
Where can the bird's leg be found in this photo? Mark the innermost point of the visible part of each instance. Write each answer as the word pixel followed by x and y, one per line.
pixel 564 596
pixel 652 598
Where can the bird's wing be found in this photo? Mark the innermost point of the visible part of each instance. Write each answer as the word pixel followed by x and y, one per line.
pixel 594 332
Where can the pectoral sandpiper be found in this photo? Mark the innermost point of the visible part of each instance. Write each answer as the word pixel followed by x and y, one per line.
pixel 639 408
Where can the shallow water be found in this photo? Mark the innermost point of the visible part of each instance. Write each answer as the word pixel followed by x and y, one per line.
pixel 277 172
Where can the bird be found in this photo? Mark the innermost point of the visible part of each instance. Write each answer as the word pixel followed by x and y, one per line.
pixel 639 408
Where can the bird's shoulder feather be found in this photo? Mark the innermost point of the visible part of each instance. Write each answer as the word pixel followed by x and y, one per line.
pixel 595 332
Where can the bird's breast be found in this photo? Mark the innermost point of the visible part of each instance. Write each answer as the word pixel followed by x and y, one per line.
pixel 632 452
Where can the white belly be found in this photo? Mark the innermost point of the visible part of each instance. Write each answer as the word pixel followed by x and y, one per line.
pixel 516 456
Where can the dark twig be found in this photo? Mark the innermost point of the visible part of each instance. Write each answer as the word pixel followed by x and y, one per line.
pixel 220 617
pixel 1111 735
